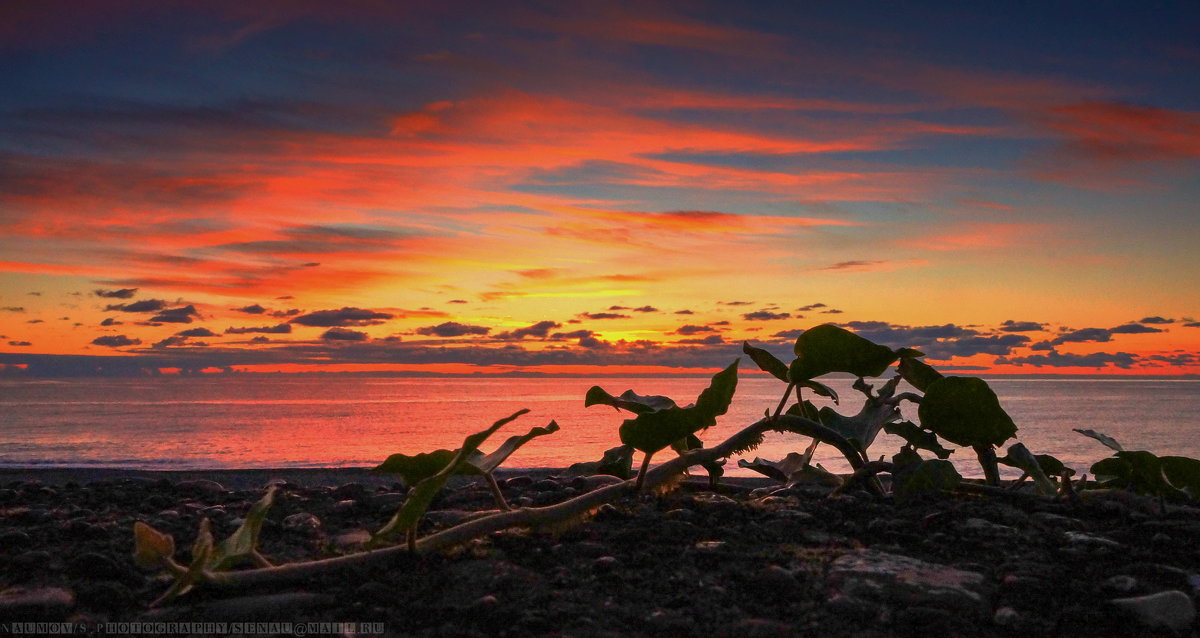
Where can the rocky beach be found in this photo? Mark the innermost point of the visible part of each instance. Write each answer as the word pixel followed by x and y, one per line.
pixel 749 559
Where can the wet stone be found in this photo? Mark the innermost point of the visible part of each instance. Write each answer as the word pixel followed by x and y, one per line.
pixel 906 581
pixel 46 603
pixel 1057 521
pixel 350 491
pixel 517 482
pixel 1120 585
pixel 302 522
pixel 32 560
pixel 95 566
pixel 1172 610
pixel 201 486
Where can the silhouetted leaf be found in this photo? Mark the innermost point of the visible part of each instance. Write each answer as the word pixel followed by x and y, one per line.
pixel 917 373
pixel 151 548
pixel 927 477
pixel 965 411
pixel 691 442
pixel 628 401
pixel 819 389
pixel 766 361
pixel 1103 438
pixel 1136 470
pixel 805 409
pixel 781 470
pixel 492 461
pixel 417 468
pixel 421 495
pixel 860 429
pixel 1183 473
pixel 917 437
pixel 1020 456
pixel 653 431
pixel 828 348
pixel 244 540
pixel 617 461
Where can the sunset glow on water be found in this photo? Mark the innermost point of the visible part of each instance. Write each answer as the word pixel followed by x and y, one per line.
pixel 278 422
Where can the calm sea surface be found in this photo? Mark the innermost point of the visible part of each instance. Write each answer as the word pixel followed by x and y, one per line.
pixel 269 421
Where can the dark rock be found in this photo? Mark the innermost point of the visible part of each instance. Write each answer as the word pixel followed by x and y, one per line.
pixel 105 595
pixel 517 482
pixel 546 485
pixel 350 491
pixel 260 608
pixel 761 628
pixel 96 566
pixel 907 581
pixel 605 564
pixel 608 512
pixel 203 487
pixel 32 560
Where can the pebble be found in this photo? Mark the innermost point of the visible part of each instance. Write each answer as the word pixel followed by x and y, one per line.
pixel 1057 521
pixel 14 539
pixel 351 539
pixel 761 628
pixel 1091 541
pixel 32 560
pixel 350 491
pixel 46 603
pixel 546 485
pixel 605 564
pixel 1007 617
pixel 201 486
pixel 517 482
pixel 388 501
pixel 1170 609
pixel 1121 584
pixel 987 528
pixel 301 522
pixel 609 512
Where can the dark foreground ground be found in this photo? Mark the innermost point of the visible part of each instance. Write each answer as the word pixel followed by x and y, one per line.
pixel 738 563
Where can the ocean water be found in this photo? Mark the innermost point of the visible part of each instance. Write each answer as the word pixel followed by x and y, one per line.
pixel 271 421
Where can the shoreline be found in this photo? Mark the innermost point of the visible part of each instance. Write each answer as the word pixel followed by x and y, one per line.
pixel 255 478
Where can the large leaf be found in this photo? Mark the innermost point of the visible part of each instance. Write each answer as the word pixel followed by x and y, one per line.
pixel 766 361
pixel 828 348
pixel 926 477
pixel 1183 473
pixel 423 493
pixel 805 409
pixel 965 411
pixel 917 437
pixel 1020 456
pixel 1137 470
pixel 151 548
pixel 617 461
pixel 917 373
pixel 862 428
pixel 653 431
pixel 487 464
pixel 1103 438
pixel 628 401
pixel 243 543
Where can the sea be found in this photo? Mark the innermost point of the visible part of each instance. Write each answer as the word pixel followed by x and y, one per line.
pixel 242 421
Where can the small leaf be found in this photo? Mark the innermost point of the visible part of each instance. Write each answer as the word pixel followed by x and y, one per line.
pixel 202 547
pixel 917 373
pixel 766 361
pixel 1103 438
pixel 422 493
pixel 715 399
pixel 617 461
pixel 244 541
pixel 965 411
pixel 917 437
pixel 151 548
pixel 628 401
pixel 1020 456
pixel 828 348
pixel 819 389
pixel 492 461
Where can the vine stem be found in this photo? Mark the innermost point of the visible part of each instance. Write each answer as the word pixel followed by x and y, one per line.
pixel 782 402
pixel 532 517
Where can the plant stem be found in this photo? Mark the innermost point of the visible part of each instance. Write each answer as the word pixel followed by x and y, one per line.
pixel 495 487
pixel 530 516
pixel 987 459
pixel 641 477
pixel 782 402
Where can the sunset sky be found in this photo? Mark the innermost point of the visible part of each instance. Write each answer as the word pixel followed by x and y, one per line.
pixel 596 187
